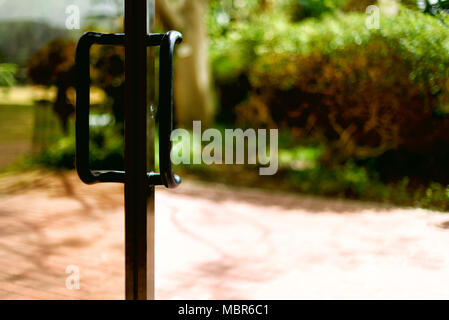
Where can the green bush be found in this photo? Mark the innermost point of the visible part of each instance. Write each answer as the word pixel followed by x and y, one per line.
pixel 351 181
pixel 106 151
pixel 346 181
pixel 7 72
pixel 364 91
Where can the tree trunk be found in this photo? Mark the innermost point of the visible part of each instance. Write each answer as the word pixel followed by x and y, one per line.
pixel 193 91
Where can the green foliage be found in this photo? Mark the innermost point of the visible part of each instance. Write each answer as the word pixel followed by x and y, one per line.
pixel 345 181
pixel 351 181
pixel 359 92
pixel 106 151
pixel 414 37
pixel 438 8
pixel 301 9
pixel 300 156
pixel 364 90
pixel 7 72
pixel 59 155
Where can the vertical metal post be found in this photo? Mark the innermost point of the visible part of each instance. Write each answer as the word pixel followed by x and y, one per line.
pixel 136 185
pixel 150 153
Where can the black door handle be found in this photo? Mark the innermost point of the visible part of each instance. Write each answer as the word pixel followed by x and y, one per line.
pixel 167 42
pixel 165 110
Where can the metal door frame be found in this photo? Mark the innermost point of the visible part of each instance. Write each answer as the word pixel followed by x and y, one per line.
pixel 139 212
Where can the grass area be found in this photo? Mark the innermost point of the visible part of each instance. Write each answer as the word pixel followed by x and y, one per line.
pixel 16 131
pixel 15 123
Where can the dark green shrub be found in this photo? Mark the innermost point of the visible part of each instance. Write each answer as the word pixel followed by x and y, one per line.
pixel 301 9
pixel 363 91
pixel 7 72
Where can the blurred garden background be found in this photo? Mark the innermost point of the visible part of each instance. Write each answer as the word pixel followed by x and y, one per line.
pixel 362 109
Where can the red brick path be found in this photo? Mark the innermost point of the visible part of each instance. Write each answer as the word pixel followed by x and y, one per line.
pixel 218 243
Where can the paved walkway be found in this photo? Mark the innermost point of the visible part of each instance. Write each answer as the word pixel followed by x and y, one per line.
pixel 218 243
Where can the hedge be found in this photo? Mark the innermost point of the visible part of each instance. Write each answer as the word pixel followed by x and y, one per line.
pixel 363 91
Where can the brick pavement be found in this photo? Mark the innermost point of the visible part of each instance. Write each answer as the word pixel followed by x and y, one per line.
pixel 213 242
